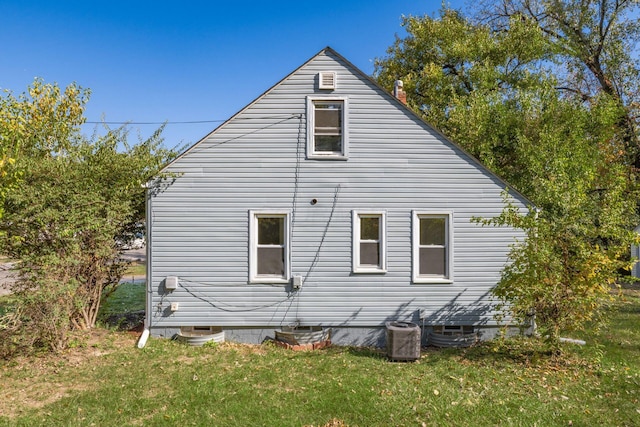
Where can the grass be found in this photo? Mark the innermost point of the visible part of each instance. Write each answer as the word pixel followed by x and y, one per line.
pixel 126 298
pixel 110 382
pixel 136 269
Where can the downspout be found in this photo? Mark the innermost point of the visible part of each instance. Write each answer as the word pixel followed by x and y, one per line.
pixel 147 294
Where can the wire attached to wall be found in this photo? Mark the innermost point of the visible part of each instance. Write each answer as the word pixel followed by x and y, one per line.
pixel 326 229
pixel 296 184
pixel 234 309
pixel 224 307
pixel 292 296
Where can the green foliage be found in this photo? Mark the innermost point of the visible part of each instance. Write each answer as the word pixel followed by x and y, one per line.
pixel 558 276
pixel 76 201
pixel 43 121
pixel 593 42
pixel 127 298
pixel 594 53
pixel 503 91
pixel 449 65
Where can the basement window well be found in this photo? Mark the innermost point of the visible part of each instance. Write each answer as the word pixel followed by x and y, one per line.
pixel 453 336
pixel 453 330
pixel 199 335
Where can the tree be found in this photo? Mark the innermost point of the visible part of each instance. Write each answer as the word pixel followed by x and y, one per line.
pixel 497 90
pixel 77 201
pixel 44 120
pixel 592 43
pixel 8 175
pixel 577 243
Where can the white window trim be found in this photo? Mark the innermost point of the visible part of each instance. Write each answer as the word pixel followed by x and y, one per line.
pixel 311 153
pixel 415 234
pixel 356 267
pixel 254 277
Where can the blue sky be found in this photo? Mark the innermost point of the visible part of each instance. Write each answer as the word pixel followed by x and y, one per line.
pixel 155 61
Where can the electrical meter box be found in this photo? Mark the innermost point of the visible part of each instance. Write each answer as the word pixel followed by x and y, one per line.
pixel 171 283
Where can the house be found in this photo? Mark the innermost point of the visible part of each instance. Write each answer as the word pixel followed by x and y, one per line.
pixel 325 202
pixel 635 254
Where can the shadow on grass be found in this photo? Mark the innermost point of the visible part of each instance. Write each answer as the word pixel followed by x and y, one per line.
pixel 520 350
pixel 628 309
pixel 526 351
pixel 368 352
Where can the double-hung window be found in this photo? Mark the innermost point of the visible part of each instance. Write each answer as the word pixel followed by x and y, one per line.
pixel 269 247
pixel 432 248
pixel 369 242
pixel 327 136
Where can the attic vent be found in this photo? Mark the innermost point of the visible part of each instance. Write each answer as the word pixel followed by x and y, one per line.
pixel 327 80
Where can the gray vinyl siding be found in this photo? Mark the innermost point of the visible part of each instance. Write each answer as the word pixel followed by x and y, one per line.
pixel 199 223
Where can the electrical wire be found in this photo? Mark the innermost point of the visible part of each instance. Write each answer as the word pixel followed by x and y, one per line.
pixel 227 285
pixel 191 122
pixel 233 309
pixel 186 122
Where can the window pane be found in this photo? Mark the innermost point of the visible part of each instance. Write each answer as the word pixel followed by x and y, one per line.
pixel 370 254
pixel 432 231
pixel 328 143
pixel 369 228
pixel 270 231
pixel 329 120
pixel 328 127
pixel 333 106
pixel 433 262
pixel 271 261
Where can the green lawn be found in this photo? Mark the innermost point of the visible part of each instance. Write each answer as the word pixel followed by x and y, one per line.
pixel 136 269
pixel 113 383
pixel 126 298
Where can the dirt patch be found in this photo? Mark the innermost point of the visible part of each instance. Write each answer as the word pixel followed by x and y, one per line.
pixel 634 286
pixel 130 321
pixel 7 277
pixel 24 387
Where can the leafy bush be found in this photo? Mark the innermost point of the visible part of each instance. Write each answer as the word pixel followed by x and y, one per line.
pixel 65 221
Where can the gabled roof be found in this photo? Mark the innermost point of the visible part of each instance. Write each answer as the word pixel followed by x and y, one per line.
pixel 368 78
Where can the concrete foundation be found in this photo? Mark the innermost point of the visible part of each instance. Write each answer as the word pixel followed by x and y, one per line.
pixel 342 336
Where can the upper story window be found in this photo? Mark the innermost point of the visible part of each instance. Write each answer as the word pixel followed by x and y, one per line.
pixel 327 124
pixel 369 242
pixel 432 248
pixel 269 242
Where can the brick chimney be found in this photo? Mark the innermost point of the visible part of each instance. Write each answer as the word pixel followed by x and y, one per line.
pixel 399 93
